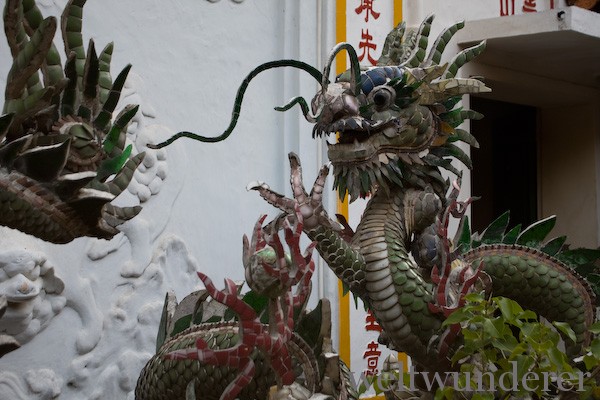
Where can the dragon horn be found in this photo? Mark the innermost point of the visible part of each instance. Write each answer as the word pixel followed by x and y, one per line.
pixel 354 79
pixel 354 67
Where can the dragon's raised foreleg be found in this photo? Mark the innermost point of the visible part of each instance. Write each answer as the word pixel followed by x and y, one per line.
pixel 345 260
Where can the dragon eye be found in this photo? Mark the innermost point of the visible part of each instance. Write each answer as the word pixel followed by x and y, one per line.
pixel 382 97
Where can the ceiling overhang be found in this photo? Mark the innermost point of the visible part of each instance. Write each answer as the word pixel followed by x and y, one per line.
pixel 558 46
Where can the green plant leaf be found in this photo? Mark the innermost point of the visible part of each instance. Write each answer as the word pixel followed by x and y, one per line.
pixel 595 348
pixel 482 396
pixel 595 327
pixel 590 362
pixel 456 317
pixel 506 344
pixel 565 329
pixel 509 308
pixel 474 298
pixel 490 329
pixel 527 315
pixel 557 357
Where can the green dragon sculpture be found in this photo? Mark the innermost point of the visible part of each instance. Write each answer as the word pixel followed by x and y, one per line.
pixel 398 126
pixel 275 348
pixel 63 158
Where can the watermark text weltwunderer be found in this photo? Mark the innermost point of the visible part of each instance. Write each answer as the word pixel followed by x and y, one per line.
pixel 508 381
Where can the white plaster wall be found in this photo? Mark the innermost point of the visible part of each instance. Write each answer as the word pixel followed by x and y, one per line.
pixel 189 57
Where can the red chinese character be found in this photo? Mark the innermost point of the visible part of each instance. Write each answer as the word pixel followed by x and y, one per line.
pixel 367 5
pixel 372 356
pixel 507 7
pixel 371 323
pixel 372 350
pixel 367 46
pixel 529 6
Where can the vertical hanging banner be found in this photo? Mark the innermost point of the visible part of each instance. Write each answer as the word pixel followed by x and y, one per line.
pixel 367 24
pixel 364 24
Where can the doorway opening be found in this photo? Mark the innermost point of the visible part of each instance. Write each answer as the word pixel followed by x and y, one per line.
pixel 505 165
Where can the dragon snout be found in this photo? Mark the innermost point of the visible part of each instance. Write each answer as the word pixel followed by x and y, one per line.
pixel 334 104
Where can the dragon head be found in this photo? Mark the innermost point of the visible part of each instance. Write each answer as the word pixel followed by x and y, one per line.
pixel 396 124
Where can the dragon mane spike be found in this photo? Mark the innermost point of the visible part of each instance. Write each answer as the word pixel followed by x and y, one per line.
pixel 418 53
pixel 394 47
pixel 105 80
pixel 464 57
pixel 70 23
pixel 89 90
pixel 22 77
pixel 52 72
pixel 435 54
pixel 315 73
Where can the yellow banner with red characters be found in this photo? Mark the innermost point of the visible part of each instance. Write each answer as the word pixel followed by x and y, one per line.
pixel 364 24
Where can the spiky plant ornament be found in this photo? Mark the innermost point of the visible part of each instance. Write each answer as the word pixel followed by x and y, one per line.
pixel 63 157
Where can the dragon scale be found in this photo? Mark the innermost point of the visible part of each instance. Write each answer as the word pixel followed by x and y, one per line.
pixel 168 379
pixel 383 275
pixel 393 287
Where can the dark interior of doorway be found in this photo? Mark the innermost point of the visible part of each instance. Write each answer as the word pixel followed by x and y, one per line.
pixel 505 165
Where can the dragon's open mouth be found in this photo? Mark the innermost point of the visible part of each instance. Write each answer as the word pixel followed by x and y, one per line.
pixel 349 129
pixel 359 140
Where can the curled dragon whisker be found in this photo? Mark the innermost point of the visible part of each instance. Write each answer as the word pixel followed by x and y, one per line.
pixel 315 73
